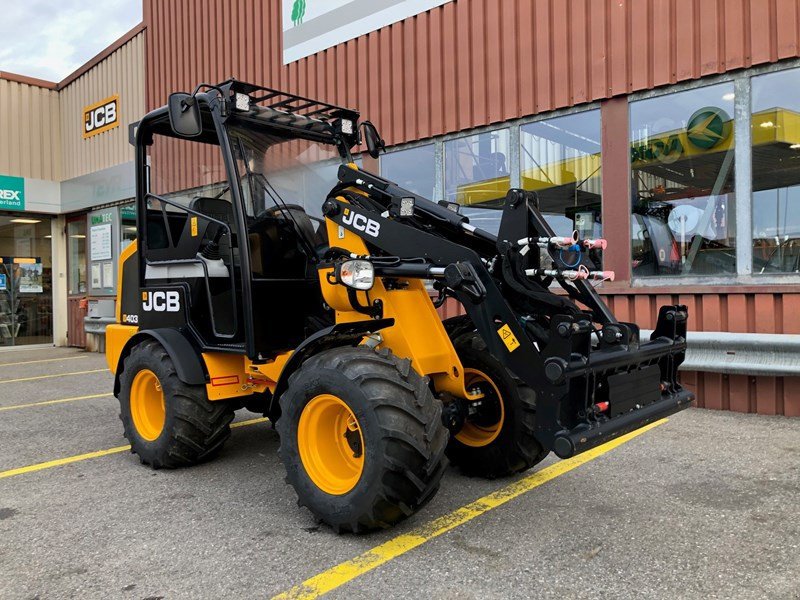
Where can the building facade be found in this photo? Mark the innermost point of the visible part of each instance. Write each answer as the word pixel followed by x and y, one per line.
pixel 669 127
pixel 65 169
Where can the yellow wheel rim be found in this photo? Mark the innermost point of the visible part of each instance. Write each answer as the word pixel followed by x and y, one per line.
pixel 147 405
pixel 474 434
pixel 331 444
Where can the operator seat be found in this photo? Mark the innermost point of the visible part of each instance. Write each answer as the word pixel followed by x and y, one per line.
pixel 275 245
pixel 222 210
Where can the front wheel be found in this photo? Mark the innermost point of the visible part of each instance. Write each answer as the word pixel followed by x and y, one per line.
pixel 498 438
pixel 362 438
pixel 169 423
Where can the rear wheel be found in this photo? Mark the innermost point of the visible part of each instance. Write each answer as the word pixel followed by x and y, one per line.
pixel 168 423
pixel 361 438
pixel 497 439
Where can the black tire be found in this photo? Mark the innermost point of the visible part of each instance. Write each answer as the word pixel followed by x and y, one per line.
pixel 194 430
pixel 403 437
pixel 515 448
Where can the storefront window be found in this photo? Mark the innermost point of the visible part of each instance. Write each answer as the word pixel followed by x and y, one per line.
pixel 413 169
pixel 682 168
pixel 776 172
pixel 76 260
pixel 26 291
pixel 127 219
pixel 560 161
pixel 476 176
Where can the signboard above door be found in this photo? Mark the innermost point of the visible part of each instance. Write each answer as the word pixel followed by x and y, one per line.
pixel 12 193
pixel 101 116
pixel 310 26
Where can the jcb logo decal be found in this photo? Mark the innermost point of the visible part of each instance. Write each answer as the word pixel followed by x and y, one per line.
pixel 360 222
pixel 101 117
pixel 161 301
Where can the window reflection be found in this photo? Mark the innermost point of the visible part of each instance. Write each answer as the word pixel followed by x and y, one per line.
pixel 776 172
pixel 477 176
pixel 413 169
pixel 560 160
pixel 682 169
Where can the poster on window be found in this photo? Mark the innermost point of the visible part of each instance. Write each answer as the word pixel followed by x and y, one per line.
pixel 100 242
pixel 30 279
pixel 310 26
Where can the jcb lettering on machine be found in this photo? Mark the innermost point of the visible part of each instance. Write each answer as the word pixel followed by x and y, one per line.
pixel 361 223
pixel 161 301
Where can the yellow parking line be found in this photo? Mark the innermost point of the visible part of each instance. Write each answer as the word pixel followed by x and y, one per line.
pixel 30 362
pixel 59 401
pixel 89 455
pixel 248 422
pixel 355 567
pixel 52 375
pixel 61 461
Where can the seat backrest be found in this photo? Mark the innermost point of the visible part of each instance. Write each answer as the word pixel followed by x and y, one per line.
pixel 220 209
pixel 297 214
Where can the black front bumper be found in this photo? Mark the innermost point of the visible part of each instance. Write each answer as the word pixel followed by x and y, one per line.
pixel 583 438
pixel 600 393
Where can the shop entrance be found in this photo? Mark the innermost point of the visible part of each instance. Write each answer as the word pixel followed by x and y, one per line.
pixel 26 290
pixel 77 287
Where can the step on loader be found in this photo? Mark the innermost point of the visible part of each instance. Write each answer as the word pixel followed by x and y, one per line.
pixel 274 274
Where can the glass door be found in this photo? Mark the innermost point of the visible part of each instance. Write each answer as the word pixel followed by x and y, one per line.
pixel 77 303
pixel 26 294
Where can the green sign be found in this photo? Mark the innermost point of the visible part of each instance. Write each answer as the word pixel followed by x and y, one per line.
pixel 106 217
pixel 12 193
pixel 708 127
pixel 127 213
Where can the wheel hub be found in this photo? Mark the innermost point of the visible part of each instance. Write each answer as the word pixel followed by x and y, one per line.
pixel 148 409
pixel 484 418
pixel 330 443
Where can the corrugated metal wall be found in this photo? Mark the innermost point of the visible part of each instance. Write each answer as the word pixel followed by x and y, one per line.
pixel 472 62
pixel 120 73
pixel 30 134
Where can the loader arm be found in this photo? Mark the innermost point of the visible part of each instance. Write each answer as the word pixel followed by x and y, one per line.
pixel 593 377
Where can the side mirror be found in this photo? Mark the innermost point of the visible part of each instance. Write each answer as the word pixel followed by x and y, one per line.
pixel 373 139
pixel 184 114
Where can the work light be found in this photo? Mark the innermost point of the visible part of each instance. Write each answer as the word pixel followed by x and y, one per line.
pixel 357 274
pixel 242 101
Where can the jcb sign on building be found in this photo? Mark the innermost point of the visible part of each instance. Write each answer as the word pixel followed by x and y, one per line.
pixel 100 117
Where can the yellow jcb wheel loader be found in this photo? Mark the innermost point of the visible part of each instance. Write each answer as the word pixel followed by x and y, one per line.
pixel 272 273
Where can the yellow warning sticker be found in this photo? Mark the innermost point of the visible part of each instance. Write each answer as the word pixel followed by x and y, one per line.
pixel 508 337
pixel 194 226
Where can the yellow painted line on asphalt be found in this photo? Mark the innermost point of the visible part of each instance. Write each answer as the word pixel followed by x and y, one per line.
pixel 61 461
pixel 248 422
pixel 59 401
pixel 43 360
pixel 371 559
pixel 89 455
pixel 52 375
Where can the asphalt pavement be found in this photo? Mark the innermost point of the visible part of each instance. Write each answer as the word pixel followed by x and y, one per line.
pixel 706 505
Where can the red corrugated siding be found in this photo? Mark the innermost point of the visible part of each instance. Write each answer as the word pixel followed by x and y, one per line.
pixel 472 62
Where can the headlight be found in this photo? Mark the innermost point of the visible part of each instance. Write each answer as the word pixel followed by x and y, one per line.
pixel 357 274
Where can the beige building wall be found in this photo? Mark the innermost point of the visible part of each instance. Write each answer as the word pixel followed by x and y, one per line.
pixel 30 131
pixel 121 73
